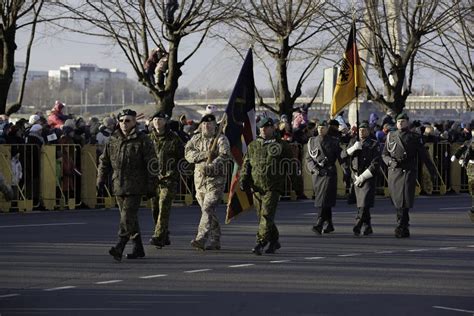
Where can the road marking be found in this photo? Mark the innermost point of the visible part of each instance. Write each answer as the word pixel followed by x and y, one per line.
pixel 9 295
pixel 59 288
pixel 471 246
pixel 314 258
pixel 109 282
pixel 197 271
pixel 349 255
pixel 453 208
pixel 242 265
pixel 417 250
pixel 310 214
pixel 40 225
pixel 385 252
pixel 280 261
pixel 153 276
pixel 448 248
pixel 454 309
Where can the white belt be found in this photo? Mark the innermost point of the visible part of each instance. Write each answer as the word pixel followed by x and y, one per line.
pixel 471 161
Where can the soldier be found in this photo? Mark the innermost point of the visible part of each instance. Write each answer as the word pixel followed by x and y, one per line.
pixel 465 157
pixel 209 179
pixel 129 156
pixel 323 151
pixel 364 158
pixel 169 150
pixel 264 171
pixel 402 148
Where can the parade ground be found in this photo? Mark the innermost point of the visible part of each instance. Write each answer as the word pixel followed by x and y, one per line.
pixel 57 263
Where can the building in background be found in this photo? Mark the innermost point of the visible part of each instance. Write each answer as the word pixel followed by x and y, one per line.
pixel 31 76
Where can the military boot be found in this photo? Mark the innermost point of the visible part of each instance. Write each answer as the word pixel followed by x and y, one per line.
pixel 157 242
pixel 167 239
pixel 117 251
pixel 368 230
pixel 258 249
pixel 214 245
pixel 471 214
pixel 357 228
pixel 138 250
pixel 199 244
pixel 402 232
pixel 329 227
pixel 274 245
pixel 318 228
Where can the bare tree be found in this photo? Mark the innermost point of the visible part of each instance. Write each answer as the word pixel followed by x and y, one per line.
pixel 450 53
pixel 291 33
pixel 399 30
pixel 138 27
pixel 15 14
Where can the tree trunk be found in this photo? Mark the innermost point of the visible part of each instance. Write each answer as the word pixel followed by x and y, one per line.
pixel 283 100
pixel 7 65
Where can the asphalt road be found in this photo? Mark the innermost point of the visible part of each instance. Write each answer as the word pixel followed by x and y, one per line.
pixel 56 263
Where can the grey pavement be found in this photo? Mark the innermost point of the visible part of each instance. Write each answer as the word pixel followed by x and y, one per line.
pixel 56 263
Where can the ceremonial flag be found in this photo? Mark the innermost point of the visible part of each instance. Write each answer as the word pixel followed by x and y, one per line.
pixel 350 77
pixel 240 130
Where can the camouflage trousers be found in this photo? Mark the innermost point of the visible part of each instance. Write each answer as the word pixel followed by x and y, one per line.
pixel 209 227
pixel 470 181
pixel 266 204
pixel 161 207
pixel 128 207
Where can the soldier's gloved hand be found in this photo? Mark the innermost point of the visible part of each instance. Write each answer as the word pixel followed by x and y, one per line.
pixel 393 163
pixel 202 156
pixel 208 170
pixel 100 187
pixel 453 158
pixel 357 146
pixel 244 185
pixel 462 163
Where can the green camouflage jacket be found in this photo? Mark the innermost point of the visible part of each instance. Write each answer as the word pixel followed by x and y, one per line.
pixel 169 150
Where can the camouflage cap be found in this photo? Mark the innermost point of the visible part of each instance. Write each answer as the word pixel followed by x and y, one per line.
pixel 127 112
pixel 265 121
pixel 402 116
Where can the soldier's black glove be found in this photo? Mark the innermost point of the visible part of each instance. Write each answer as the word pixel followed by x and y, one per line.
pixel 244 185
pixel 100 187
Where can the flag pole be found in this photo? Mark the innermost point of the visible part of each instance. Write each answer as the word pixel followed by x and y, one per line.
pixel 354 51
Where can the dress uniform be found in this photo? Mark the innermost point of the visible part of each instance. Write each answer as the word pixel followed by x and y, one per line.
pixel 128 155
pixel 169 151
pixel 465 157
pixel 364 160
pixel 210 177
pixel 400 154
pixel 323 152
pixel 264 170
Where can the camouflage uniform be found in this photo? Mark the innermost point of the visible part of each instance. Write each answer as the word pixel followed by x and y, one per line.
pixel 465 155
pixel 129 159
pixel 264 170
pixel 209 182
pixel 169 151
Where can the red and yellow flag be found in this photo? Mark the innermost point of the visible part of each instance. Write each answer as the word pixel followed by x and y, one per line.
pixel 350 77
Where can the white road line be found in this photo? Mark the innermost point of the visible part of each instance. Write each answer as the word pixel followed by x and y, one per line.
pixel 40 225
pixel 153 276
pixel 385 252
pixel 453 208
pixel 109 282
pixel 197 271
pixel 470 246
pixel 448 248
pixel 349 255
pixel 310 214
pixel 9 295
pixel 242 265
pixel 453 309
pixel 280 261
pixel 314 258
pixel 417 250
pixel 60 288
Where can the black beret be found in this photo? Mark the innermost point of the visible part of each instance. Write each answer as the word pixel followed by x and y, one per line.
pixel 265 121
pixel 160 114
pixel 402 116
pixel 323 123
pixel 364 124
pixel 208 118
pixel 334 122
pixel 127 112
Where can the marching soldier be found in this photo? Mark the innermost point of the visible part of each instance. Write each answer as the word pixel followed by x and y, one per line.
pixel 264 171
pixel 402 148
pixel 465 157
pixel 323 151
pixel 169 150
pixel 128 155
pixel 364 157
pixel 209 179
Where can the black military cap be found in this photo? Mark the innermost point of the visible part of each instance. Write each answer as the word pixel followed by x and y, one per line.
pixel 334 122
pixel 127 112
pixel 402 116
pixel 265 121
pixel 160 114
pixel 208 118
pixel 323 123
pixel 364 124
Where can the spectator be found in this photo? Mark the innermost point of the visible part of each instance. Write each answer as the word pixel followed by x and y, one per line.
pixel 56 119
pixel 105 131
